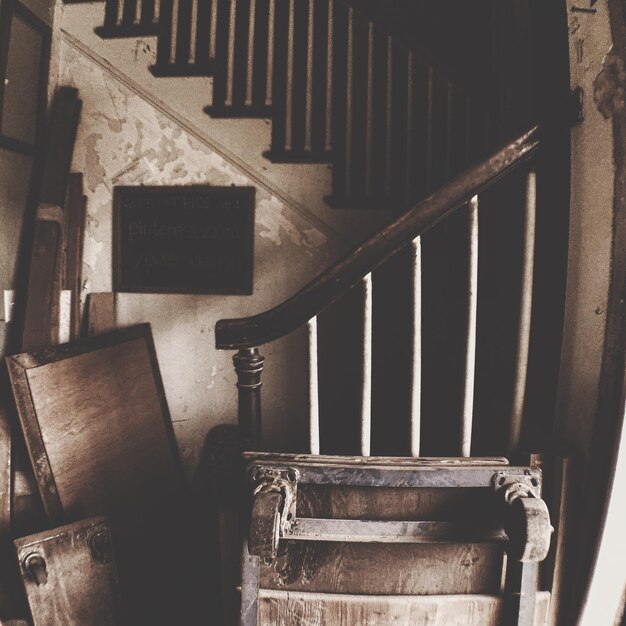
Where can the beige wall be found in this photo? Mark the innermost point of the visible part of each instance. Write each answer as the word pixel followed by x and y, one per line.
pixel 124 139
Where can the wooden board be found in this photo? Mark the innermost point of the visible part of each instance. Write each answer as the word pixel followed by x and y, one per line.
pixel 42 289
pixel 96 423
pixel 75 208
pixel 286 608
pixel 101 313
pixel 327 567
pixel 60 141
pixel 186 239
pixel 80 586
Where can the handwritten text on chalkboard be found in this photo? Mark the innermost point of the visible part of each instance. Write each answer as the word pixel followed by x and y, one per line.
pixel 195 239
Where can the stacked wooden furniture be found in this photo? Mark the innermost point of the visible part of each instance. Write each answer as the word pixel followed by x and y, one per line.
pixel 342 541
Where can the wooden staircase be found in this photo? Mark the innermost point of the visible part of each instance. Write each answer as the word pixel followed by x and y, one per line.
pixel 338 88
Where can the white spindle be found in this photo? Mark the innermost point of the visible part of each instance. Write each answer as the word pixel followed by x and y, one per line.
pixel 366 397
pixel 416 374
pixel 230 66
pixel 213 30
pixel 250 56
pixel 470 345
pixel 174 40
pixel 65 316
pixel 193 35
pixel 138 7
pixel 314 406
pixel 526 300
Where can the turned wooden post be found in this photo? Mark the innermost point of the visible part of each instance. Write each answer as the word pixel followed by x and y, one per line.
pixel 249 365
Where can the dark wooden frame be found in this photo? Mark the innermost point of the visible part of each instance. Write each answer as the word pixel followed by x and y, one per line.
pixel 18 366
pixel 248 193
pixel 9 9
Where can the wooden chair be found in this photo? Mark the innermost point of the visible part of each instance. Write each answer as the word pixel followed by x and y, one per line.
pixel 404 541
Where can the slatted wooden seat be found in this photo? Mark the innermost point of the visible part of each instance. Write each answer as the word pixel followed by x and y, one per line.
pixel 377 541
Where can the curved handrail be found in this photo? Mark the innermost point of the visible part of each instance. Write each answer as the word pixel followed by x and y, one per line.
pixel 249 332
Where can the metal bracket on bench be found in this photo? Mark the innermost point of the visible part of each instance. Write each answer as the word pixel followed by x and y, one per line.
pixel 273 508
pixel 527 520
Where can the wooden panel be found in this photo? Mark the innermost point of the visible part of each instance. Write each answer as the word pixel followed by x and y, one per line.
pixel 281 608
pixel 426 569
pixel 73 247
pixel 388 503
pixel 42 291
pixel 106 432
pixel 80 583
pixel 5 469
pixel 101 313
pixel 60 145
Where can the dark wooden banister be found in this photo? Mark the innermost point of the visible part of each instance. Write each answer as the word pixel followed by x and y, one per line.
pixel 251 332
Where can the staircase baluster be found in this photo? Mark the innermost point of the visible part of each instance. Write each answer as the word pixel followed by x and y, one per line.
pixel 230 71
pixel 366 390
pixel 250 57
pixel 314 406
pixel 270 53
pixel 416 373
pixel 369 109
pixel 129 18
pixel 470 345
pixel 349 103
pixel 328 140
pixel 249 366
pixel 523 337
pixel 308 118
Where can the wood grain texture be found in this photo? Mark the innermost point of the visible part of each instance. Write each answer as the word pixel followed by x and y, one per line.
pixel 323 460
pixel 284 608
pixel 103 430
pixel 330 567
pixel 75 207
pixel 42 289
pixel 79 589
pixel 101 313
pixel 5 470
pixel 405 569
pixel 387 503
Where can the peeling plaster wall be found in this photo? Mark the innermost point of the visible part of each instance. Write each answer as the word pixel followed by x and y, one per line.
pixel 123 139
pixel 591 225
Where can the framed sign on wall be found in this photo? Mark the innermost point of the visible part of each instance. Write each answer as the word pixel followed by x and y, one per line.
pixel 189 239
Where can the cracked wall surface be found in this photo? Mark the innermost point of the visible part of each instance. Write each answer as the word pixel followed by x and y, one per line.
pixel 124 140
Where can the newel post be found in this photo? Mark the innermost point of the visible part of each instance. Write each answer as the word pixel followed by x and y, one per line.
pixel 249 365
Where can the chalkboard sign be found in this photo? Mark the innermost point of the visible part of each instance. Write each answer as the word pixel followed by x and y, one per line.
pixel 194 239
